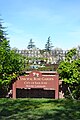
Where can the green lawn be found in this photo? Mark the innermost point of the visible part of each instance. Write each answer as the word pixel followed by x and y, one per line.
pixel 39 109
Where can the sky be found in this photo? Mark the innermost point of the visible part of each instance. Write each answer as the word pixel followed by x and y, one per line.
pixel 39 19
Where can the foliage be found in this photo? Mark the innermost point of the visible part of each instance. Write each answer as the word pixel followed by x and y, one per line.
pixel 31 44
pixel 39 109
pixel 11 63
pixel 69 71
pixel 48 45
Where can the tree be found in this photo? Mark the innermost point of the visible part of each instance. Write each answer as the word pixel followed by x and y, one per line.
pixel 69 71
pixel 31 44
pixel 48 45
pixel 11 63
pixel 2 32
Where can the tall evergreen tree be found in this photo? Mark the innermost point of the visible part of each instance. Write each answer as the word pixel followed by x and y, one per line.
pixel 31 44
pixel 48 45
pixel 10 62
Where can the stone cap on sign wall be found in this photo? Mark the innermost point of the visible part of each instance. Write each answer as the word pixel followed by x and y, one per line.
pixel 43 72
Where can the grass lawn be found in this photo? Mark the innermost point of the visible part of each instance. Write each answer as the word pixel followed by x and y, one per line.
pixel 39 109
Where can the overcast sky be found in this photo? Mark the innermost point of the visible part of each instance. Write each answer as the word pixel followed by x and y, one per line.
pixel 39 19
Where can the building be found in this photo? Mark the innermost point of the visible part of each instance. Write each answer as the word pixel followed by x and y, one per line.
pixel 54 56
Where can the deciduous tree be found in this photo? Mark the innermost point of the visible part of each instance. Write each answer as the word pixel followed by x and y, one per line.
pixel 69 71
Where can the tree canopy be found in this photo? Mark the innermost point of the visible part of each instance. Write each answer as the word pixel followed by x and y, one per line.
pixel 69 71
pixel 31 44
pixel 11 63
pixel 48 45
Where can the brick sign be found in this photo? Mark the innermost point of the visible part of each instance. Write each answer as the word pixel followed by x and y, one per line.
pixel 36 79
